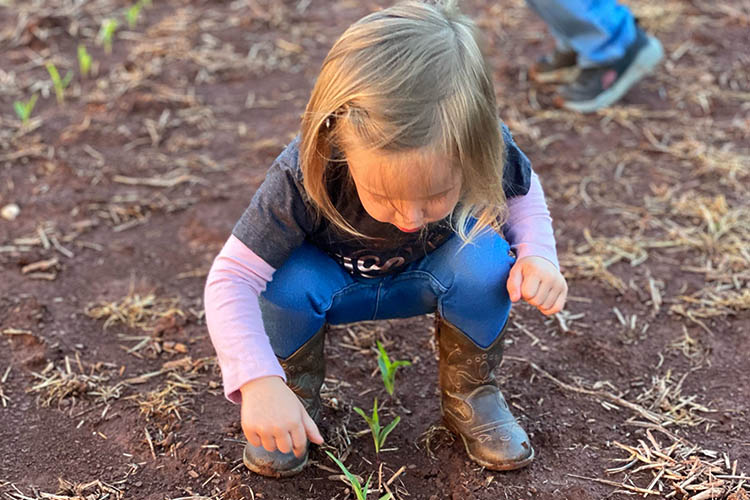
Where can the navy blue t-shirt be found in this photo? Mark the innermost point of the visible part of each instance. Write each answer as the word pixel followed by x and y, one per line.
pixel 281 217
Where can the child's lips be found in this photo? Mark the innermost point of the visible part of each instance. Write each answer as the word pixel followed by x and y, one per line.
pixel 408 230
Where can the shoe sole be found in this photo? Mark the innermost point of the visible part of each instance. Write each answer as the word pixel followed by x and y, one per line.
pixel 643 64
pixel 562 75
pixel 503 467
pixel 267 471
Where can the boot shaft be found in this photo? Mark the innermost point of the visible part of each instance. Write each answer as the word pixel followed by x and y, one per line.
pixel 305 371
pixel 463 365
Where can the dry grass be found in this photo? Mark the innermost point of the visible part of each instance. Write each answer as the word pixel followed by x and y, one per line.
pixel 74 381
pixel 4 398
pixel 149 313
pixel 49 243
pixel 134 310
pixel 68 490
pixel 662 403
pixel 126 211
pixel 665 396
pixel 170 400
pixel 680 470
pixel 722 301
pixel 433 438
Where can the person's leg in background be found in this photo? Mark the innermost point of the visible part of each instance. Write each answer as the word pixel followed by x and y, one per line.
pixel 612 52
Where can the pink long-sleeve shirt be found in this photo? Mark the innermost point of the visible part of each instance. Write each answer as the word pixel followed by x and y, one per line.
pixel 238 276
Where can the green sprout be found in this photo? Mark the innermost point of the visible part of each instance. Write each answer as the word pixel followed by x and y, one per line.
pixel 359 490
pixel 107 33
pixel 60 83
pixel 378 433
pixel 132 14
pixel 24 109
pixel 388 368
pixel 84 60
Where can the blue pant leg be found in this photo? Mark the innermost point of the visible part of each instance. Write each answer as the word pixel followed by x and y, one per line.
pixel 600 31
pixel 297 299
pixel 474 278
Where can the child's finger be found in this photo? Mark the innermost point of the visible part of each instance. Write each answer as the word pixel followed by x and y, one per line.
pixel 550 300
pixel 299 440
pixel 313 434
pixel 253 439
pixel 515 278
pixel 560 302
pixel 542 293
pixel 557 307
pixel 283 441
pixel 530 287
pixel 268 441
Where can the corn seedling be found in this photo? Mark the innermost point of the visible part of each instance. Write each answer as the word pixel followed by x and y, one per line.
pixel 24 109
pixel 60 84
pixel 107 33
pixel 388 368
pixel 133 13
pixel 379 434
pixel 84 60
pixel 360 490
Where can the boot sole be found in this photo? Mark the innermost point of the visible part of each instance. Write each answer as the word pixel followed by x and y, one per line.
pixel 498 467
pixel 643 64
pixel 562 75
pixel 267 471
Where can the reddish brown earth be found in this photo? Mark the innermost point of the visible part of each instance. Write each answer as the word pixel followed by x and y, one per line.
pixel 206 94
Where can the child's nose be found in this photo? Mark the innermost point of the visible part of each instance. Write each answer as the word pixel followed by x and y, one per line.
pixel 412 216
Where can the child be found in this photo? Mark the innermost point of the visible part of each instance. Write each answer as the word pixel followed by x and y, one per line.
pixel 390 203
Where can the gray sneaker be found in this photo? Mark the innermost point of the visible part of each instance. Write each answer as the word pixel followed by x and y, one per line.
pixel 601 86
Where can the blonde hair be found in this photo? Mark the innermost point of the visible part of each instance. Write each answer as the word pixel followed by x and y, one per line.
pixel 406 79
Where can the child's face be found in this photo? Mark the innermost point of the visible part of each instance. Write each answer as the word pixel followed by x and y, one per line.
pixel 408 190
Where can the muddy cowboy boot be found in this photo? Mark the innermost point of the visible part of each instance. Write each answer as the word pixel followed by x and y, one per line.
pixel 472 405
pixel 305 370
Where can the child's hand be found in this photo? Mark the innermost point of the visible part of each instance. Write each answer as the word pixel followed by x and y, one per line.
pixel 537 281
pixel 273 417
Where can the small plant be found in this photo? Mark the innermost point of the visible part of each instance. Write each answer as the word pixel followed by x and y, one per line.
pixel 60 83
pixel 84 60
pixel 107 33
pixel 133 13
pixel 24 109
pixel 388 368
pixel 359 490
pixel 378 433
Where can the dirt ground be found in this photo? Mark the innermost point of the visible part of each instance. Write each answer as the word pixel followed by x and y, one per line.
pixel 108 384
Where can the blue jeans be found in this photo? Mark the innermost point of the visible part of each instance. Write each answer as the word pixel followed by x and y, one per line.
pixel 466 286
pixel 599 31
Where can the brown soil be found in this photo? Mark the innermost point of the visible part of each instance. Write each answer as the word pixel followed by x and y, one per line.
pixel 134 183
